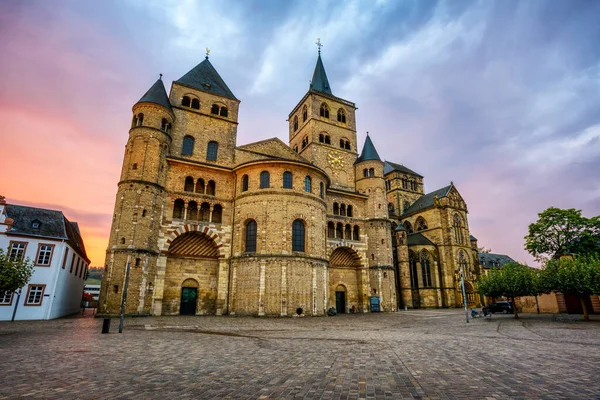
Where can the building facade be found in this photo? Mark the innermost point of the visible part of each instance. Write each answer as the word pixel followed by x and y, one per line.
pixel 267 228
pixel 55 246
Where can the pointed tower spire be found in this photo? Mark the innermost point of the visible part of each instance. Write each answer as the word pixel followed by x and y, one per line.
pixel 368 151
pixel 319 80
pixel 205 77
pixel 157 95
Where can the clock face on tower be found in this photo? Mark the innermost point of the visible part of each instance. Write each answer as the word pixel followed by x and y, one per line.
pixel 335 160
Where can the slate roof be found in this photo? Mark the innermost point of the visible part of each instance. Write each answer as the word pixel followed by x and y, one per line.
pixel 426 200
pixel 418 239
pixel 157 95
pixel 491 260
pixel 368 152
pixel 53 224
pixel 273 148
pixel 319 80
pixel 471 237
pixel 205 77
pixel 390 166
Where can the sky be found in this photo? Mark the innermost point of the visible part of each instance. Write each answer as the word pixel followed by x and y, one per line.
pixel 500 97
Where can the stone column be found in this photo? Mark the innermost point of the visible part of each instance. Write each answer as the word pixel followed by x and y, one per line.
pixel 210 213
pixel 185 206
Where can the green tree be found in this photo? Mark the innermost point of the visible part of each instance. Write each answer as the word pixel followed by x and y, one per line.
pixel 578 275
pixel 512 280
pixel 559 231
pixel 14 272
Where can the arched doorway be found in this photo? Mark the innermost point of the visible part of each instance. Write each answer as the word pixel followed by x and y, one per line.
pixel 345 279
pixel 189 297
pixel 191 275
pixel 340 299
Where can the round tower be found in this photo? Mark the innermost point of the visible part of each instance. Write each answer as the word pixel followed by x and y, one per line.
pixel 369 180
pixel 138 206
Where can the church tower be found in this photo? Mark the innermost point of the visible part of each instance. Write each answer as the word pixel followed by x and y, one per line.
pixel 322 128
pixel 139 205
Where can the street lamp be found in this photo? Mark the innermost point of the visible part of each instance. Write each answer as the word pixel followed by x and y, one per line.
pixel 124 301
pixel 462 284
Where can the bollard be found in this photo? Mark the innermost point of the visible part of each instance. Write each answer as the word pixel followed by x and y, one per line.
pixel 106 325
pixel 405 308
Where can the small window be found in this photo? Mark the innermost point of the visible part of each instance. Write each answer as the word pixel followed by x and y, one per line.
pixel 134 166
pixel 140 119
pixel 336 209
pixel 204 212
pixel 185 101
pixel 308 184
pixel 321 138
pixel 295 123
pixel 305 142
pixel 298 232
pixel 196 104
pixel 244 183
pixel 287 180
pixel 356 233
pixel 138 262
pixel 343 210
pixel 296 149
pixel 178 206
pixel 324 111
pixel 188 146
pixel 342 143
pixel 347 145
pixel 371 172
pixel 211 188
pixel 192 211
pixel 143 213
pixel 304 113
pixel 116 288
pixel 200 186
pixel 223 112
pixel 366 173
pixel 321 190
pixel 214 109
pixel 265 180
pixel 211 151
pixel 36 224
pixel 189 184
pixel 349 211
pixel 250 240
pixel 217 214
pixel 327 140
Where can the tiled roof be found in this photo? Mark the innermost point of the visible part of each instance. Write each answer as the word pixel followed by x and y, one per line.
pixel 426 200
pixel 157 95
pixel 491 260
pixel 368 152
pixel 205 77
pixel 390 166
pixel 52 224
pixel 319 80
pixel 415 239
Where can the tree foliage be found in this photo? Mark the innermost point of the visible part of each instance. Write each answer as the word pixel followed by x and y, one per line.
pixel 513 280
pixel 15 272
pixel 559 231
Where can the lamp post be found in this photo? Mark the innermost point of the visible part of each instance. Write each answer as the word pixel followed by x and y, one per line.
pixel 462 284
pixel 124 301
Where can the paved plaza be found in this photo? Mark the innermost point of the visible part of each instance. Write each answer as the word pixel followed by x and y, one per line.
pixel 424 354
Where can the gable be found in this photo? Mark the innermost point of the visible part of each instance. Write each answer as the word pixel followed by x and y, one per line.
pixel 271 149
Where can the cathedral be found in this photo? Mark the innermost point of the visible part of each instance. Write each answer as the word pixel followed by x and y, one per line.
pixel 204 226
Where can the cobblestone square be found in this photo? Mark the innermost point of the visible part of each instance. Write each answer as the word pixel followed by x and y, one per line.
pixel 425 354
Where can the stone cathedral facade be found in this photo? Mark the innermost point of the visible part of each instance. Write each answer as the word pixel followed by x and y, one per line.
pixel 208 226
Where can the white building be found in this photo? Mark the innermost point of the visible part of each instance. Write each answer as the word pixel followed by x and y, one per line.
pixel 60 262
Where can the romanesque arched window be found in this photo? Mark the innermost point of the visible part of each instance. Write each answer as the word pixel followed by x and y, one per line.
pixel 327 139
pixel 347 145
pixel 214 109
pixel 371 171
pixel 140 119
pixel 178 206
pixel 349 210
pixel 412 267
pixel 457 228
pixel 287 180
pixel 195 104
pixel 426 268
pixel 305 142
pixel 324 111
pixel 342 143
pixel 211 188
pixel 304 113
pixel 295 123
pixel 189 184
pixel 307 184
pixel 356 233
pixel 348 232
pixel 212 150
pixel 366 173
pixel 343 209
pixel 217 214
pixel 265 180
pixel 163 124
pixel 321 138
pixel 321 190
pixel 330 230
pixel 341 116
pixel 298 235
pixel 406 206
pixel 250 237
pixel 421 224
pixel 244 183
pixel 224 112
pixel 200 186
pixel 205 212
pixel 192 211
pixel 408 227
pixel 185 101
pixel 339 230
pixel 336 209
pixel 188 146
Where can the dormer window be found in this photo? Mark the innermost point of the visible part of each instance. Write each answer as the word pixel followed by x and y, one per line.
pixel 36 224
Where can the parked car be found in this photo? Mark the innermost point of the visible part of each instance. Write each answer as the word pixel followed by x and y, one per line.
pixel 499 306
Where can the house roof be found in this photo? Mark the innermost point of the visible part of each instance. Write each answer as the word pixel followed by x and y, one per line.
pixel 319 80
pixel 52 224
pixel 157 95
pixel 491 260
pixel 415 239
pixel 426 200
pixel 205 78
pixel 368 152
pixel 390 166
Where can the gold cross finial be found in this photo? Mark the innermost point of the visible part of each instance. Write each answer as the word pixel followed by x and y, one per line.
pixel 207 52
pixel 319 45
